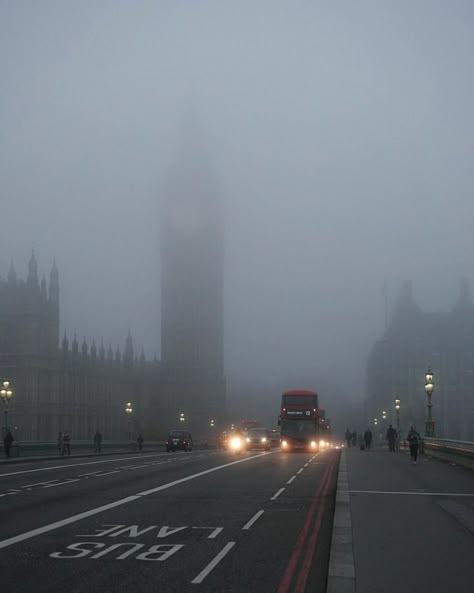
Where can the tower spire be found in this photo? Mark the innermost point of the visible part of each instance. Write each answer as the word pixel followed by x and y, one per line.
pixel 32 270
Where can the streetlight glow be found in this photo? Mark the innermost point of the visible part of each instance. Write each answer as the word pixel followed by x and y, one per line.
pixel 429 388
pixel 6 393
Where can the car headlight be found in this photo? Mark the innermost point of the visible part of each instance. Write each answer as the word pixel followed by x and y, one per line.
pixel 284 444
pixel 264 439
pixel 248 440
pixel 235 443
pixel 322 443
pixel 313 444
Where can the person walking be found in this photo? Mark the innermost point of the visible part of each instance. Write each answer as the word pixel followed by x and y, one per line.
pixel 414 441
pixel 59 443
pixel 66 444
pixel 97 442
pixel 7 442
pixel 354 438
pixel 140 441
pixel 367 439
pixel 348 436
pixel 391 437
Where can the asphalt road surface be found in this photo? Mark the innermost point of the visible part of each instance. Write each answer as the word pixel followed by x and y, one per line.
pixel 204 521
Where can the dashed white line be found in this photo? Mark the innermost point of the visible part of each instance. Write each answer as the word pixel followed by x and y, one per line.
pixel 300 470
pixel 291 479
pixel 249 524
pixel 277 494
pixel 213 563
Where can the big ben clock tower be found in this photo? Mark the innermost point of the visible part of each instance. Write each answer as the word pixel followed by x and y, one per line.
pixel 192 259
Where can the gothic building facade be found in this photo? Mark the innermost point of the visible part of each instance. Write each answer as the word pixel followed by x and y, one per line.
pixel 84 388
pixel 414 341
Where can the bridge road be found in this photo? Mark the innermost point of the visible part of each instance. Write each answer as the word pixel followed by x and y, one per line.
pixel 412 525
pixel 204 521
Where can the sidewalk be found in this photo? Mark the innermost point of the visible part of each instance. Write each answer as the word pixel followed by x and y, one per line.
pixel 400 527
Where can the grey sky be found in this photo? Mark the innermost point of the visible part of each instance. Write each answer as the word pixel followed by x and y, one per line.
pixel 341 134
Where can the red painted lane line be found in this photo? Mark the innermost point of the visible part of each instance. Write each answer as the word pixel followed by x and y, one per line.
pixel 308 559
pixel 290 569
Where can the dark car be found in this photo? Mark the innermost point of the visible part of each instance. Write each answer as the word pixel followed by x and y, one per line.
pixel 179 440
pixel 258 438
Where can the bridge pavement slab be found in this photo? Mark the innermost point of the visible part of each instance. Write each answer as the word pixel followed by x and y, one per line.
pixel 412 525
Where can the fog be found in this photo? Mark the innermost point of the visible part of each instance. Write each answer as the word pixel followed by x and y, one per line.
pixel 340 136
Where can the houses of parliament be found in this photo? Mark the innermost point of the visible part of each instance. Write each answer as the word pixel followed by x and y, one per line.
pixel 62 384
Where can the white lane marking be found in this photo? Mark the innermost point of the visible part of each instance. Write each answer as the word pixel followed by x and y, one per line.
pixel 61 483
pixel 291 479
pixel 74 518
pixel 215 531
pixel 213 563
pixel 38 484
pixel 114 471
pixel 411 493
pixel 193 476
pixel 306 464
pixel 65 466
pixel 300 470
pixel 277 494
pixel 249 524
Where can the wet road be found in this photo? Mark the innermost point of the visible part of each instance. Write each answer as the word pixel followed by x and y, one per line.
pixel 205 521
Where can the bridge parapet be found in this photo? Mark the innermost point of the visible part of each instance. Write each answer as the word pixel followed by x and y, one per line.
pixel 460 452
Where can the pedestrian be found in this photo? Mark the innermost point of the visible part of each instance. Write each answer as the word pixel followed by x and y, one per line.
pixel 391 437
pixel 140 442
pixel 348 436
pixel 66 444
pixel 59 443
pixel 414 441
pixel 97 442
pixel 367 439
pixel 7 442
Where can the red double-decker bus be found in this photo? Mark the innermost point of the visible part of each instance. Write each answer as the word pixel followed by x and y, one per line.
pixel 301 421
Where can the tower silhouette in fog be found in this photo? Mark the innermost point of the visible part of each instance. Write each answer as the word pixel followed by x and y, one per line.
pixel 192 263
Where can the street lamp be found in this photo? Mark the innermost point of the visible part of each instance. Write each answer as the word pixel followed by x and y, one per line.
pixel 397 410
pixel 129 412
pixel 6 393
pixel 429 388
pixel 212 423
pixel 181 417
pixel 375 421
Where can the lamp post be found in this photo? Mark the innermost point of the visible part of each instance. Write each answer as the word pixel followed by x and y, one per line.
pixel 182 419
pixel 429 388
pixel 6 393
pixel 397 410
pixel 129 412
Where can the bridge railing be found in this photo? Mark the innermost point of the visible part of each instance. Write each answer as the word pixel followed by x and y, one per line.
pixel 50 448
pixel 460 452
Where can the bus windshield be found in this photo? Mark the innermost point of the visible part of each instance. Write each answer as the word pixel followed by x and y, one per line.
pixel 299 400
pixel 298 428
